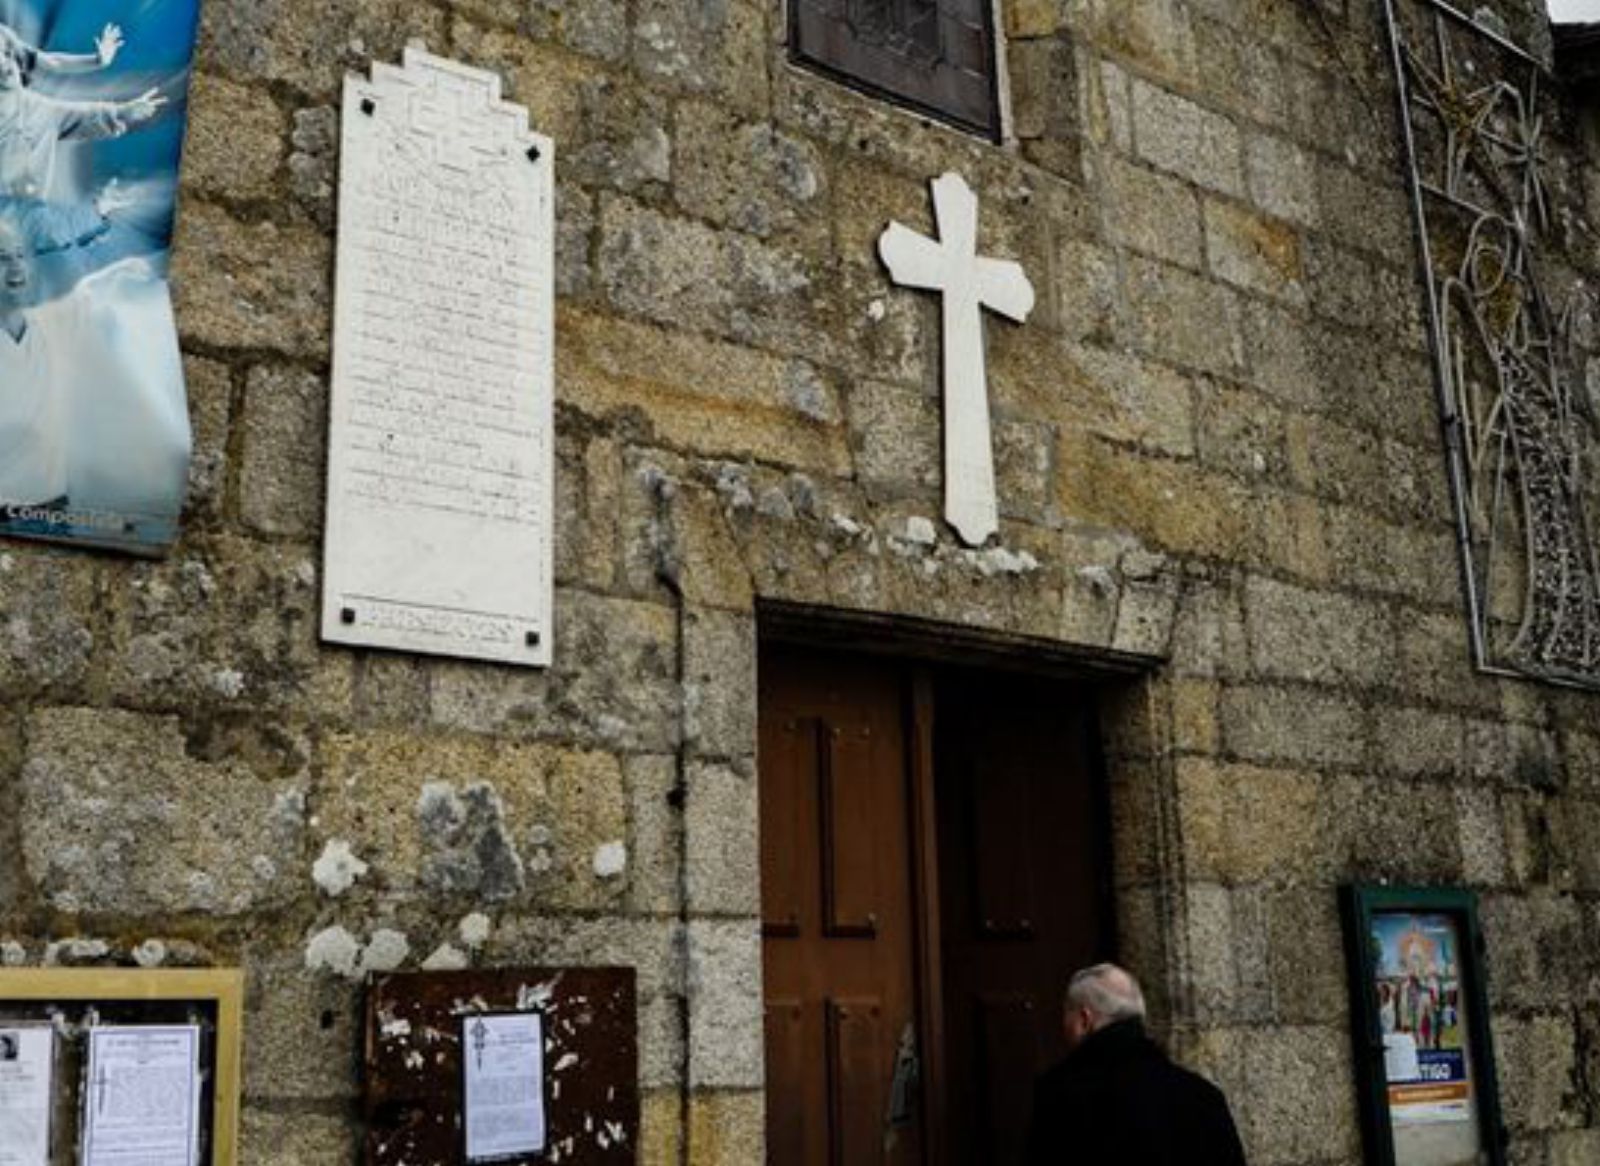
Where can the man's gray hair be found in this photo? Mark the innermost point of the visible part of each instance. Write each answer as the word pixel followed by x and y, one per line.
pixel 1106 990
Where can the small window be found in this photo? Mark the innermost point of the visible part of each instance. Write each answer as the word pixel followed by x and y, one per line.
pixel 934 55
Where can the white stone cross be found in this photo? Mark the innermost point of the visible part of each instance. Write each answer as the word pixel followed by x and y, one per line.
pixel 970 283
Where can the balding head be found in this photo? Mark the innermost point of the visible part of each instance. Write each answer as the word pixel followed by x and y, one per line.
pixel 1100 995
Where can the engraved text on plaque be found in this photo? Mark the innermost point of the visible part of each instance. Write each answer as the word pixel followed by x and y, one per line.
pixel 440 454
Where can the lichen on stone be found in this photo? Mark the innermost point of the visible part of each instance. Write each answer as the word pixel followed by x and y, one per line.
pixel 474 929
pixel 77 950
pixel 385 951
pixel 338 868
pixel 152 953
pixel 228 682
pixel 921 531
pixel 467 847
pixel 335 950
pixel 447 957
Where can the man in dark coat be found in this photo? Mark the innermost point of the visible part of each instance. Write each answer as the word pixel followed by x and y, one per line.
pixel 1116 1100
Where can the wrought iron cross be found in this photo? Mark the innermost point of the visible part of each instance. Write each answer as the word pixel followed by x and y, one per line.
pixel 969 283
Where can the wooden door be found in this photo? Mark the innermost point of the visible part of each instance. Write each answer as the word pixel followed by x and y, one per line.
pixel 1023 888
pixel 838 908
pixel 933 867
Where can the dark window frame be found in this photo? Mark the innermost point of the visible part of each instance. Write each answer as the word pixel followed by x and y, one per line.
pixel 992 127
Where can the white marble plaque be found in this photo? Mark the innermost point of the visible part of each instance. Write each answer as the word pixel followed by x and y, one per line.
pixel 440 452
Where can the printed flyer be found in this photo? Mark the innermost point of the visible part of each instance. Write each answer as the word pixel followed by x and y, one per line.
pixel 503 1059
pixel 141 1104
pixel 27 1066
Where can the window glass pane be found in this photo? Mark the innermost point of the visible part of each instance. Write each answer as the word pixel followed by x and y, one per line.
pixel 936 55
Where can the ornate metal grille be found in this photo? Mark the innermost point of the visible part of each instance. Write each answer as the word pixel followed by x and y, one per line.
pixel 936 55
pixel 1522 434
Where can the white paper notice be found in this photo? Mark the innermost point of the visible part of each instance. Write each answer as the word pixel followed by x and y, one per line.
pixel 504 1058
pixel 142 1096
pixel 27 1058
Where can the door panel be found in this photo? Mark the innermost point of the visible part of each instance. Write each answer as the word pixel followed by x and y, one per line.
pixel 853 895
pixel 837 906
pixel 786 1077
pixel 1009 1034
pixel 998 799
pixel 786 833
pixel 1021 876
pixel 856 1086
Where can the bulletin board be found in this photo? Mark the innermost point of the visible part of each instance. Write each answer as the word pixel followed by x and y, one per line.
pixel 1425 1063
pixel 96 1060
pixel 518 1066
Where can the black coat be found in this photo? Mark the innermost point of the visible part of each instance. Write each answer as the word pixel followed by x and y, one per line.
pixel 1118 1101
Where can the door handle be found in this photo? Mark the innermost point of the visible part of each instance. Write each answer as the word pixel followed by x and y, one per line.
pixel 904 1085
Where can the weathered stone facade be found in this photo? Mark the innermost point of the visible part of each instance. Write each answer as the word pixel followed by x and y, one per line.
pixel 1218 456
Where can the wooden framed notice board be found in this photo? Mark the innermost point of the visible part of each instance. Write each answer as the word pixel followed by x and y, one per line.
pixel 101 1066
pixel 1420 1014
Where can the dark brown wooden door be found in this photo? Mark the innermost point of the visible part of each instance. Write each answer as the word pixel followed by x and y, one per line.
pixel 837 904
pixel 1021 879
pixel 932 870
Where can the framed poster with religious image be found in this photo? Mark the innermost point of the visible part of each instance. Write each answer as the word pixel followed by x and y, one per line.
pixel 1420 1018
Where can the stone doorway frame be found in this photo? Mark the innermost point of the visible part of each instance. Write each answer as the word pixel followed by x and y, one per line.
pixel 1147 871
pixel 1090 600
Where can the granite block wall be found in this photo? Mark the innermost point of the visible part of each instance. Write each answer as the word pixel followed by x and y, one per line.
pixel 1219 460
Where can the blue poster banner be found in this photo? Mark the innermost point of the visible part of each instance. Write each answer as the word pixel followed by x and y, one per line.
pixel 94 427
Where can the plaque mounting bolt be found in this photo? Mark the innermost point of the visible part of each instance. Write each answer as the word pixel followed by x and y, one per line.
pixel 533 153
pixel 369 106
pixel 347 615
pixel 532 639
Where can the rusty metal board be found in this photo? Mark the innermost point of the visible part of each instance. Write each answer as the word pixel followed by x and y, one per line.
pixel 413 1067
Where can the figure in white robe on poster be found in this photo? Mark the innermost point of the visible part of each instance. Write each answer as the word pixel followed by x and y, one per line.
pixel 92 431
pixel 32 125
pixel 33 422
pixel 72 232
pixel 50 64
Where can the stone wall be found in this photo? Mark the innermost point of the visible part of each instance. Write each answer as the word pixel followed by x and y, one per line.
pixel 1218 453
